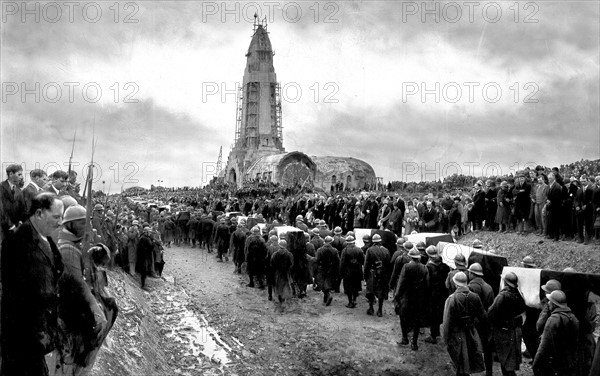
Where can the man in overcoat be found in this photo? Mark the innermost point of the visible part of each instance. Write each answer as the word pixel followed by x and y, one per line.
pixel 351 272
pixel 328 267
pixel 31 267
pixel 377 274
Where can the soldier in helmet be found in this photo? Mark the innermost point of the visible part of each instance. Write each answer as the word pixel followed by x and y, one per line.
pixel 255 251
pixel 300 223
pixel 222 238
pixel 486 295
pixel 410 295
pixel 438 293
pixel 366 242
pixel 282 262
pixel 461 266
pixel 505 319
pixel 462 311
pixel 328 264
pixel 377 274
pixel 421 248
pixel 351 270
pixel 557 353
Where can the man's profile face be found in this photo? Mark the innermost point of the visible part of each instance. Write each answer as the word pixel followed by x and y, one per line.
pixel 49 220
pixel 59 183
pixel 16 177
pixel 41 181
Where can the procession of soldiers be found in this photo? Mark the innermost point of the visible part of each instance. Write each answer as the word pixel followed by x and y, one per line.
pixel 317 251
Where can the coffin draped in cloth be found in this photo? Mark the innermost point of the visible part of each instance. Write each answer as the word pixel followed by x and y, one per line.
pixel 282 230
pixel 429 238
pixel 491 264
pixel 575 285
pixel 388 238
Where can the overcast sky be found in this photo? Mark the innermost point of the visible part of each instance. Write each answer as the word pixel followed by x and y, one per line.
pixel 516 84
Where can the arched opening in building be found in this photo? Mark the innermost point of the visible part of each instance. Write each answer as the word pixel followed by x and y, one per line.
pixel 348 181
pixel 333 180
pixel 232 176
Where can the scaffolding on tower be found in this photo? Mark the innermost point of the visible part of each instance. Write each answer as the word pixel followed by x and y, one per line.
pixel 220 161
pixel 278 118
pixel 238 115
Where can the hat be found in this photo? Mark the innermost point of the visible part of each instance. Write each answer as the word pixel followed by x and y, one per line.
pixel 337 230
pixel 349 240
pixel 322 223
pixel 431 251
pixel 273 232
pixel 135 222
pixel 273 238
pixel 477 244
pixel 328 239
pixel 400 241
pixel 528 261
pixel 255 230
pixel 551 285
pixel 460 279
pixel 511 279
pixel 98 207
pixel 421 245
pixel 558 298
pixel 414 253
pixel 376 238
pixel 460 260
pixel 316 231
pixel 110 213
pixel 74 213
pixel 366 237
pixel 569 270
pixel 282 243
pixel 299 218
pixel 476 269
pixel 350 233
pixel 68 201
pixel 408 245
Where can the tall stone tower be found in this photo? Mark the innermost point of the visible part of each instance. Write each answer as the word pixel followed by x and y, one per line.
pixel 258 129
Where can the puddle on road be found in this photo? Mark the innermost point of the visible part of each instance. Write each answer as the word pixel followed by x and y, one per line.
pixel 191 329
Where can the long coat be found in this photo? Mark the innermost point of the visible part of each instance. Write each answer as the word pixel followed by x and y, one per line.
pixel 505 320
pixel 328 264
pixel 31 268
pixel 282 262
pixel 13 207
pixel 272 247
pixel 255 251
pixel 411 292
pixel 237 244
pixel 557 353
pixel 222 238
pixel 462 310
pixel 377 271
pixel 351 264
pixel 438 293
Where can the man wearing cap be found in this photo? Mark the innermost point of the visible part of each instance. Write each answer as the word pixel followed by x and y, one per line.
pixel 222 239
pixel 338 239
pixel 438 293
pixel 351 272
pixel 282 262
pixel 316 239
pixel 377 274
pixel 462 310
pixel 410 296
pixel 505 319
pixel 486 296
pixel 328 264
pixel 461 266
pixel 255 251
pixel 557 353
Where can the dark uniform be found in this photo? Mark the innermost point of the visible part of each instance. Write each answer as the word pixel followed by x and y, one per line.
pixel 351 272
pixel 255 251
pixel 236 247
pixel 463 309
pixel 486 295
pixel 410 295
pixel 505 319
pixel 377 275
pixel 438 293
pixel 328 266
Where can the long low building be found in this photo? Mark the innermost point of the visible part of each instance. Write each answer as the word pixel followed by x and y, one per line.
pixel 297 168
